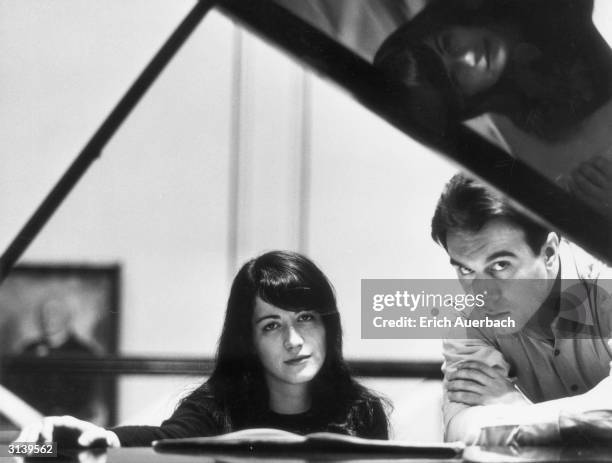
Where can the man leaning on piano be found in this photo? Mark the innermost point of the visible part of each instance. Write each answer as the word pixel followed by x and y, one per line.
pixel 529 385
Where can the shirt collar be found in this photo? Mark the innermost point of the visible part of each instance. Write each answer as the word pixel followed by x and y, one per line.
pixel 575 301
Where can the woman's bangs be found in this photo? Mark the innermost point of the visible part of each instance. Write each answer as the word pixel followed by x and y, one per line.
pixel 297 298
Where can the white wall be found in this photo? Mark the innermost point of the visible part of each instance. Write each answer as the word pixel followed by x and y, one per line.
pixel 314 171
pixel 156 200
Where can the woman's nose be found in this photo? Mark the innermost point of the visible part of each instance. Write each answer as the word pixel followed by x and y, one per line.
pixel 293 339
pixel 466 58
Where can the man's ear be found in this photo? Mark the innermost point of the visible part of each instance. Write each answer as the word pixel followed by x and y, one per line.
pixel 550 250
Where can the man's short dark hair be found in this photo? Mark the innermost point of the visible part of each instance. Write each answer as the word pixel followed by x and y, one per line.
pixel 468 205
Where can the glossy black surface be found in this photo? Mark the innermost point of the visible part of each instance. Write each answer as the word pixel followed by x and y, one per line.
pixel 393 101
pixel 472 454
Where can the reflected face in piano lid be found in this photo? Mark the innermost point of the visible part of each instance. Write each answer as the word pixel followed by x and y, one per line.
pixel 474 58
pixel 290 344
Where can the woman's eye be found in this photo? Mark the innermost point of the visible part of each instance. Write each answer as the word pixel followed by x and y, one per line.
pixel 306 317
pixel 443 43
pixel 270 326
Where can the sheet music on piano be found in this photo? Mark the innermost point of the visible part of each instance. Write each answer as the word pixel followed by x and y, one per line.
pixel 267 441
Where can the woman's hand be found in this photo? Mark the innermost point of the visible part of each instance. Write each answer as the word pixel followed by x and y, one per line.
pixel 88 433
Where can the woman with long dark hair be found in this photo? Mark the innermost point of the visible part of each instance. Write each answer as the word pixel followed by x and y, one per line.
pixel 537 75
pixel 279 365
pixel 543 64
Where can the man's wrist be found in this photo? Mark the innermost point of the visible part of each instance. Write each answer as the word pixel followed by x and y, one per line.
pixel 522 394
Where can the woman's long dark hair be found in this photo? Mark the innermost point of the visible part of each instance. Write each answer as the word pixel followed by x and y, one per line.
pixel 561 74
pixel 292 282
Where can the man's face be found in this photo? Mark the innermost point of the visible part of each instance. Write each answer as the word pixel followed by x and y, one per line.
pixel 54 317
pixel 497 260
pixel 474 57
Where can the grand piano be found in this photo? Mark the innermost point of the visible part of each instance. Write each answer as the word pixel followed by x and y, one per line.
pixel 338 40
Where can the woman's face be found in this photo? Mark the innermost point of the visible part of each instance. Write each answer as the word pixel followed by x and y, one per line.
pixel 474 57
pixel 290 345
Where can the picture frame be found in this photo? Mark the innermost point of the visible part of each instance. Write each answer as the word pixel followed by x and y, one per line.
pixel 37 302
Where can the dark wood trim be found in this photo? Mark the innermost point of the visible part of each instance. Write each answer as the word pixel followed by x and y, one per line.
pixel 115 366
pixel 396 369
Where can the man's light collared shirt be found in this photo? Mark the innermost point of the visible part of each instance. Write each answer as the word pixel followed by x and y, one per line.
pixel 547 369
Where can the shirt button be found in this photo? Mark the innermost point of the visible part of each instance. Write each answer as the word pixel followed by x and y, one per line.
pixel 574 387
pixel 557 352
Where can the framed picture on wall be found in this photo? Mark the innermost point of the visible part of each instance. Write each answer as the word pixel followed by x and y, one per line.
pixel 50 311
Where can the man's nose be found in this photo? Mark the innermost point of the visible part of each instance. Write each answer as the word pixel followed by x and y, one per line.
pixel 487 286
pixel 293 339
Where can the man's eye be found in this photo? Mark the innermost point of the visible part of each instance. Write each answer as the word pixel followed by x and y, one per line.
pixel 464 270
pixel 306 317
pixel 499 266
pixel 270 326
